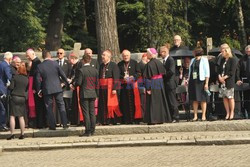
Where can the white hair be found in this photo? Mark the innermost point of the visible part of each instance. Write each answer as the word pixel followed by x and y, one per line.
pixel 8 55
pixel 247 47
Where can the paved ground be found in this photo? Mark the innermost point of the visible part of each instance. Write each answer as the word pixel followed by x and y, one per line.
pixel 174 156
pixel 236 125
pixel 180 138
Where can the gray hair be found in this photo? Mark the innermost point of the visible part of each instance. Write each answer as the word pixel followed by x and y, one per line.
pixel 8 55
pixel 247 47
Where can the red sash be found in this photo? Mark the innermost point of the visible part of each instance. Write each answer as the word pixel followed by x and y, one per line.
pixel 112 102
pixel 157 76
pixel 81 118
pixel 138 113
pixel 31 99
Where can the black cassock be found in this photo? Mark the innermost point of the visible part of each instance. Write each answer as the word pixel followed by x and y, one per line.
pixel 75 118
pixel 127 101
pixel 110 70
pixel 142 88
pixel 157 110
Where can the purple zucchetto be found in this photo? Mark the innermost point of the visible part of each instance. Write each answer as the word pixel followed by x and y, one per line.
pixel 152 51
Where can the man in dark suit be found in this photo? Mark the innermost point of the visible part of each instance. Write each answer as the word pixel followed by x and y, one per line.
pixel 5 78
pixel 93 62
pixel 49 86
pixel 170 83
pixel 66 67
pixel 88 82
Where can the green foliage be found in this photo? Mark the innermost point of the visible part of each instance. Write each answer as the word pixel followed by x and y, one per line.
pixel 20 28
pixel 231 42
pixel 23 23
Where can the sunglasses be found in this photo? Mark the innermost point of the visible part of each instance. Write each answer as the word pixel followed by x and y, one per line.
pixel 59 53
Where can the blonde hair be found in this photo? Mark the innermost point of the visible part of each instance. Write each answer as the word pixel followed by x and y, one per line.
pixel 228 50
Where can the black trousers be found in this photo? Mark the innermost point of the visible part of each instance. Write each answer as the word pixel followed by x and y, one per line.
pixel 172 103
pixel 41 121
pixel 48 100
pixel 88 108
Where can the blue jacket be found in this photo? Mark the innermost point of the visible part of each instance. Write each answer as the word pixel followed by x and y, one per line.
pixel 48 77
pixel 5 76
pixel 204 70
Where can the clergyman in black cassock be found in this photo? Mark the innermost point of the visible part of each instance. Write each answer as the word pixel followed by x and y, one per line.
pixel 130 104
pixel 108 105
pixel 157 110
pixel 76 112
pixel 36 107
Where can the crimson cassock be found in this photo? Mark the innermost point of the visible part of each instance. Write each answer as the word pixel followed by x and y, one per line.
pixel 130 104
pixel 108 105
pixel 157 110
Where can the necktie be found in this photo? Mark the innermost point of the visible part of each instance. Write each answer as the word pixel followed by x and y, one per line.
pixel 60 63
pixel 164 62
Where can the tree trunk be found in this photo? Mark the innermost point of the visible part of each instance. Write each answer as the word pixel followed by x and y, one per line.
pixel 55 25
pixel 106 28
pixel 241 25
pixel 149 21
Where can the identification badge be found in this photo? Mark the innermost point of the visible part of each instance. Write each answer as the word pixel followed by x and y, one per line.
pixel 179 62
pixel 194 75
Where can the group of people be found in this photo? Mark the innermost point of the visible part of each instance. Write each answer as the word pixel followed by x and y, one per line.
pixel 128 92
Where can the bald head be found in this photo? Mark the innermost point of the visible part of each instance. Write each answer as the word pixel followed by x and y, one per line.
pixel 88 52
pixel 16 61
pixel 126 55
pixel 177 40
pixel 60 53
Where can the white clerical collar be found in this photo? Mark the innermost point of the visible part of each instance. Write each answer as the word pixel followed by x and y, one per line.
pixel 86 64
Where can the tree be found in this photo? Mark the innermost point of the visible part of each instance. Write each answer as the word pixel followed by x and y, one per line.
pixel 55 25
pixel 20 28
pixel 106 28
pixel 241 24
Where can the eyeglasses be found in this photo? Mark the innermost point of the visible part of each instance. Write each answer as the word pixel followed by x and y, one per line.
pixel 59 53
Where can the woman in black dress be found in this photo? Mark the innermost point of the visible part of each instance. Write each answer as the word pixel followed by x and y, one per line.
pixel 198 83
pixel 226 76
pixel 19 91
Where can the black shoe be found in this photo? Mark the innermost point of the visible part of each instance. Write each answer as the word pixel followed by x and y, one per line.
pixel 21 137
pixel 50 128
pixel 65 127
pixel 85 135
pixel 11 137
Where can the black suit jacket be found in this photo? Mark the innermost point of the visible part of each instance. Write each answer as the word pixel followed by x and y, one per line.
pixel 48 77
pixel 19 85
pixel 230 70
pixel 169 77
pixel 133 69
pixel 94 63
pixel 66 67
pixel 88 82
